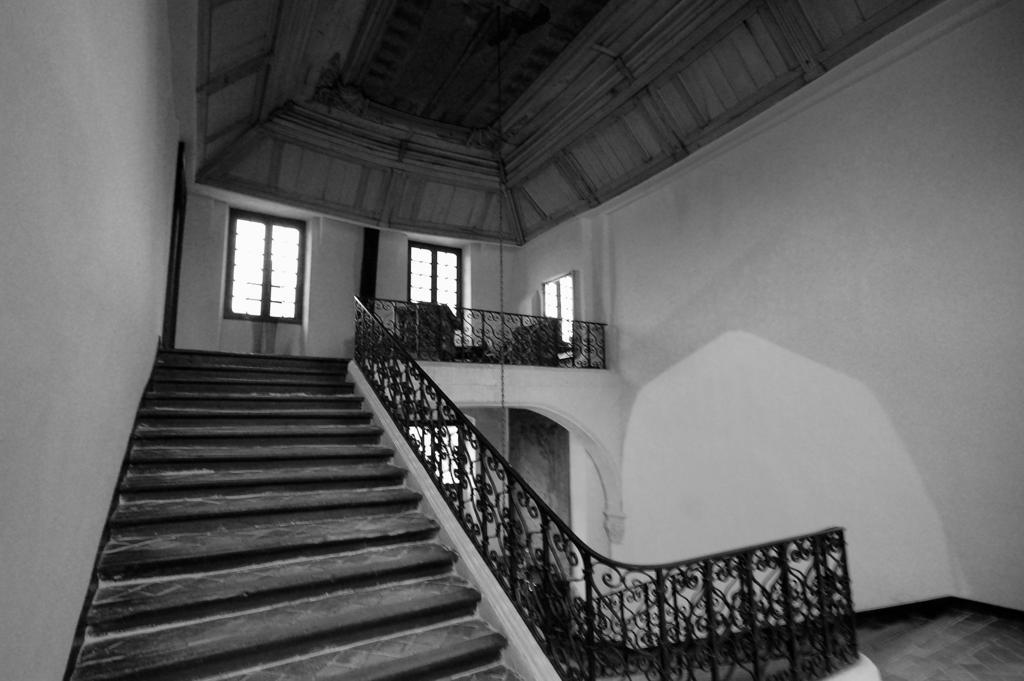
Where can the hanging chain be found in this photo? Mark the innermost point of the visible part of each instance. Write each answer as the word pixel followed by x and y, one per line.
pixel 501 249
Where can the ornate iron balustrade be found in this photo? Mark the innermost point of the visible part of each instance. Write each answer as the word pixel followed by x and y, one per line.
pixel 436 333
pixel 774 612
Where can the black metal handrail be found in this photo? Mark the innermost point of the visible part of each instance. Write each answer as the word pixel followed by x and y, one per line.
pixel 436 332
pixel 781 610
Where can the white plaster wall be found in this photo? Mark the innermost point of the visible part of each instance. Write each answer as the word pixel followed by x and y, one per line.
pixel 88 149
pixel 586 496
pixel 819 321
pixel 333 256
pixel 337 251
pixel 576 246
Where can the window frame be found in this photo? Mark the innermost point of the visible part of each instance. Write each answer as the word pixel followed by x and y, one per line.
pixel 268 221
pixel 574 277
pixel 434 248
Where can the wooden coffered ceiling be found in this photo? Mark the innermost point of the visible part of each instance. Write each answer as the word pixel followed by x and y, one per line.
pixel 430 115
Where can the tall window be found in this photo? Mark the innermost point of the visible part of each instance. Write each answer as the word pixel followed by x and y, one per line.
pixel 558 302
pixel 265 266
pixel 434 274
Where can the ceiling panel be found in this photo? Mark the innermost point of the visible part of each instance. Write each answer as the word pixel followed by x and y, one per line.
pixel 240 30
pixel 389 111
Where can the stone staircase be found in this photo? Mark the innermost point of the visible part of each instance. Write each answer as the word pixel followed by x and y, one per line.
pixel 262 533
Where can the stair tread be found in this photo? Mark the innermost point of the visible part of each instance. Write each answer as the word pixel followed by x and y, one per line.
pixel 250 412
pixel 154 545
pixel 119 599
pixel 498 672
pixel 247 633
pixel 410 656
pixel 326 369
pixel 255 430
pixel 138 507
pixel 169 476
pixel 271 379
pixel 204 355
pixel 290 396
pixel 144 451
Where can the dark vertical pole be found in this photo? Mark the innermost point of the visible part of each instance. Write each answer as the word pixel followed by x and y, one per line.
pixel 795 672
pixel 750 606
pixel 824 600
pixel 368 270
pixel 588 576
pixel 661 594
pixel 167 338
pixel 709 609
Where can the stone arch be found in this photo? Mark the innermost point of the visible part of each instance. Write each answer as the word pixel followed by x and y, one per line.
pixel 607 466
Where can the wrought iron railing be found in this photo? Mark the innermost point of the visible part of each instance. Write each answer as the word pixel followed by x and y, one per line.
pixel 771 612
pixel 438 333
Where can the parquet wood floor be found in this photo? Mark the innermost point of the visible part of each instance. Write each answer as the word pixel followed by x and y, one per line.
pixel 951 643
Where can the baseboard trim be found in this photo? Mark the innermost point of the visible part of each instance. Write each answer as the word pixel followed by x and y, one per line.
pixel 936 605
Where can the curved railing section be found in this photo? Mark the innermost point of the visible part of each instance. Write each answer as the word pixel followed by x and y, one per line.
pixel 771 612
pixel 438 333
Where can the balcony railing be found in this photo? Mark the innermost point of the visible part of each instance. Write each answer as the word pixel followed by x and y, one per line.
pixel 773 612
pixel 434 332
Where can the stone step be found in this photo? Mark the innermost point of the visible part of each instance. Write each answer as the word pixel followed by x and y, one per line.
pixel 147 602
pixel 222 543
pixel 175 506
pixel 201 648
pixel 260 434
pixel 266 374
pixel 496 672
pixel 424 655
pixel 188 358
pixel 177 476
pixel 246 400
pixel 153 452
pixel 233 384
pixel 228 416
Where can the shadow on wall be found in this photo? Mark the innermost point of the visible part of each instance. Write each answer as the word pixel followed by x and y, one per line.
pixel 744 442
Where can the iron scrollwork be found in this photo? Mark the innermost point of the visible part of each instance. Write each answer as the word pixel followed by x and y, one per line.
pixel 773 612
pixel 436 332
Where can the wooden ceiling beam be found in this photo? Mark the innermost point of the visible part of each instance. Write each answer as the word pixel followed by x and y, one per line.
pixel 796 31
pixel 294 25
pixel 234 74
pixel 227 159
pixel 475 43
pixel 583 111
pixel 371 31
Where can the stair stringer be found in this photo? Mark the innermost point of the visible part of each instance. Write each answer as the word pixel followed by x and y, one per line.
pixel 523 654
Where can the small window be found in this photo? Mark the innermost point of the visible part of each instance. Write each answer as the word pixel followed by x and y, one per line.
pixel 434 275
pixel 557 296
pixel 265 268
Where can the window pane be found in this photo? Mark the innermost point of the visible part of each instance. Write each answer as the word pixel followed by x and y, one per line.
pixel 421 255
pixel 419 295
pixel 286 236
pixel 447 272
pixel 565 298
pixel 447 298
pixel 285 310
pixel 247 271
pixel 282 294
pixel 289 279
pixel 550 299
pixel 420 281
pixel 249 235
